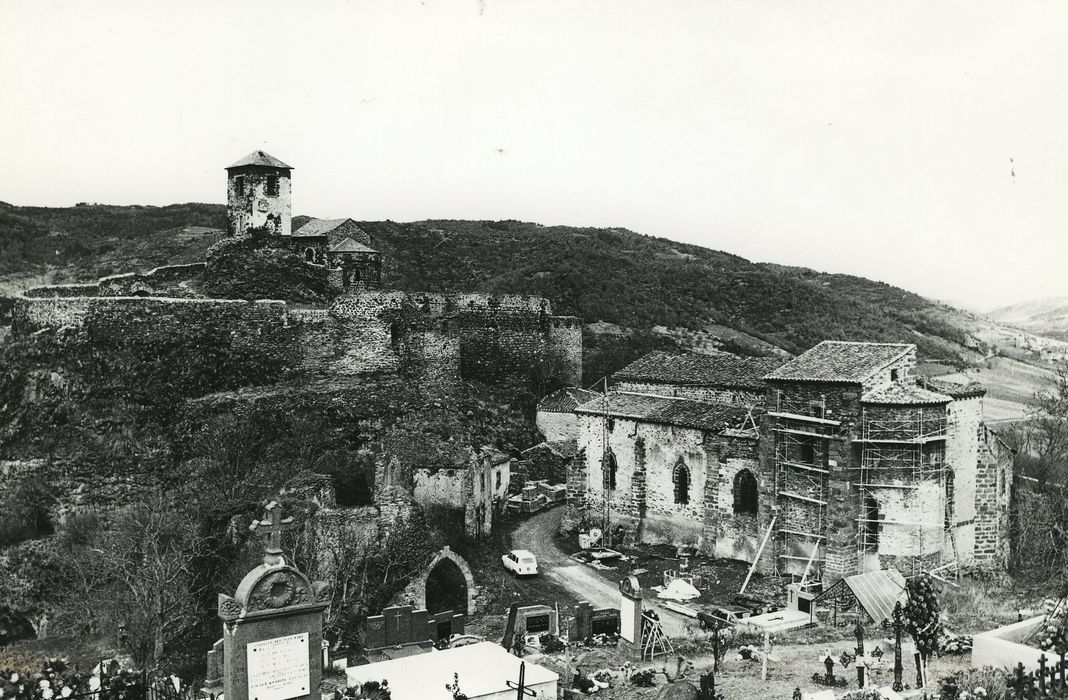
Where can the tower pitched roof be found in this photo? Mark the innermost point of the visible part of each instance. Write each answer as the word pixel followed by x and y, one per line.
pixel 260 158
pixel 837 361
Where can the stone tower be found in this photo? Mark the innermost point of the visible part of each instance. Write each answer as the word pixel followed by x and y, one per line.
pixel 258 196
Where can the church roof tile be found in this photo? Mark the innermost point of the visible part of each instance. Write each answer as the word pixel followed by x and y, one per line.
pixel 836 361
pixel 260 158
pixel 720 369
pixel 666 410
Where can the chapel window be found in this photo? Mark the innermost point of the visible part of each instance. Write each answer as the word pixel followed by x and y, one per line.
pixel 610 467
pixel 681 477
pixel 745 493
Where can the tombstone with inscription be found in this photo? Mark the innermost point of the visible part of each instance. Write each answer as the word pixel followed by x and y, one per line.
pixel 273 626
pixel 630 609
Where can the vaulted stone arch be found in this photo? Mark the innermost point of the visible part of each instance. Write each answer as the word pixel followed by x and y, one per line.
pixel 445 558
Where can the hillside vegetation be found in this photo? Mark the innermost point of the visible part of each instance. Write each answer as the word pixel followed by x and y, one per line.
pixel 616 276
pixel 1048 317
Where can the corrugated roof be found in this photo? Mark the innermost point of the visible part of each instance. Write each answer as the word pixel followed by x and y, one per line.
pixel 902 394
pixel 878 591
pixel 720 369
pixel 875 591
pixel 260 158
pixel 666 410
pixel 565 400
pixel 839 361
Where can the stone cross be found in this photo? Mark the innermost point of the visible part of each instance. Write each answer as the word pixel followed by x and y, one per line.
pixel 395 616
pixel 273 525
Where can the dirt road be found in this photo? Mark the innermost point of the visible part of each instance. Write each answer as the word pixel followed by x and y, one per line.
pixel 586 583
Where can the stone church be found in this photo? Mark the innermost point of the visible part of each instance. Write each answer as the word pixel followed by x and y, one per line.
pixel 259 201
pixel 842 460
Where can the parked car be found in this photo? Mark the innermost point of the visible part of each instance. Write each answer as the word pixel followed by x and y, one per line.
pixel 520 562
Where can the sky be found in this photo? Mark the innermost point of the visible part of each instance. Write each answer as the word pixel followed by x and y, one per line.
pixel 920 143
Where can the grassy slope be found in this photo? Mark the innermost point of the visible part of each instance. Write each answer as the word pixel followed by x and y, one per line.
pixel 610 275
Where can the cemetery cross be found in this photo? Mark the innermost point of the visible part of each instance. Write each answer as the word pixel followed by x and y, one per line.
pixel 521 687
pixel 899 625
pixel 273 525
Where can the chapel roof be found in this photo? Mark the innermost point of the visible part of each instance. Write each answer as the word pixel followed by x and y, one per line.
pixel 904 394
pixel 321 227
pixel 565 400
pixel 260 158
pixel 836 361
pixel 666 410
pixel 351 246
pixel 718 369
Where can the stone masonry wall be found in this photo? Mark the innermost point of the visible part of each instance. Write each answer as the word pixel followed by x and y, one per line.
pixel 710 394
pixel 728 534
pixel 962 457
pixel 646 457
pixel 994 486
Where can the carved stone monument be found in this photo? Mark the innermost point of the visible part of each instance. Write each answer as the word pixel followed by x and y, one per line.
pixel 273 626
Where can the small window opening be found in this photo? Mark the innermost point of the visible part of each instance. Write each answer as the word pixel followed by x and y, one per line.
pixel 745 493
pixel 681 478
pixel 870 526
pixel 610 467
pixel 239 185
pixel 272 185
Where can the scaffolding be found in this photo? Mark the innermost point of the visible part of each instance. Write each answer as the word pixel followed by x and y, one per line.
pixel 802 436
pixel 903 448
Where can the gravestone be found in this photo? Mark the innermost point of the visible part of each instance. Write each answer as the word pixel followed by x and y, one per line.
pixel 604 621
pixel 538 619
pixel 404 625
pixel 273 626
pixel 630 610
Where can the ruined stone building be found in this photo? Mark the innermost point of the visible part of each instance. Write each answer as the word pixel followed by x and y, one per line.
pixel 841 456
pixel 364 335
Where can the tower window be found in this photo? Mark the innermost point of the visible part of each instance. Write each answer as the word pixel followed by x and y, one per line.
pixel 239 185
pixel 272 185
pixel 745 493
pixel 681 477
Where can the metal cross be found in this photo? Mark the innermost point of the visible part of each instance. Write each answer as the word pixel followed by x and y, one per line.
pixel 521 687
pixel 273 525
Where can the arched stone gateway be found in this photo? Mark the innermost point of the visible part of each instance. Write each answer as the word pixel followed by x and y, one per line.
pixel 450 579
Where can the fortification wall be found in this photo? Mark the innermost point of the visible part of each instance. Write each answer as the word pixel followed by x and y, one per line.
pixel 439 338
pixel 168 281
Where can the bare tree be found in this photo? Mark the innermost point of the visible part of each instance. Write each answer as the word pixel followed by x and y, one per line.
pixel 148 559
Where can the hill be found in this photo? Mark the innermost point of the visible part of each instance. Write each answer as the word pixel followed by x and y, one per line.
pixel 1048 317
pixel 650 292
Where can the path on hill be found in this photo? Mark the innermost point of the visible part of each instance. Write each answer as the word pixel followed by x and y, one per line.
pixel 538 535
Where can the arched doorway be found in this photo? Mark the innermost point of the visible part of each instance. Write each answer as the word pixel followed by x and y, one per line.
pixel 427 590
pixel 446 588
